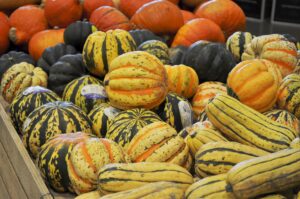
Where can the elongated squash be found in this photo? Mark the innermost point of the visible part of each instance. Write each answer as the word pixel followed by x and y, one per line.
pixel 89 195
pixel 267 174
pixel 247 126
pixel 273 196
pixel 295 143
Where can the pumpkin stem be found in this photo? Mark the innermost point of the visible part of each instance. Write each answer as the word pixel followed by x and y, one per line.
pixel 17 37
pixel 42 5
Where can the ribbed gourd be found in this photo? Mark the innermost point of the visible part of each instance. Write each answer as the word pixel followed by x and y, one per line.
pixel 284 117
pixel 120 177
pixel 85 92
pixel 156 48
pixel 125 125
pixel 27 101
pixel 219 157
pixel 101 48
pixel 51 119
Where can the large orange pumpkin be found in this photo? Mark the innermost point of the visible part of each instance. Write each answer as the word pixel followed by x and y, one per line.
pixel 160 17
pixel 198 29
pixel 4 28
pixel 61 13
pixel 25 22
pixel 255 83
pixel 227 14
pixel 90 5
pixel 187 16
pixel 108 18
pixel 44 39
pixel 129 7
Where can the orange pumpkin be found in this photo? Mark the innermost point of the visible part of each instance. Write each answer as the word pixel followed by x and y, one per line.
pixel 13 4
pixel 182 80
pixel 61 13
pixel 255 83
pixel 160 17
pixel 198 29
pixel 227 14
pixel 129 7
pixel 4 28
pixel 90 5
pixel 44 39
pixel 187 16
pixel 108 18
pixel 25 22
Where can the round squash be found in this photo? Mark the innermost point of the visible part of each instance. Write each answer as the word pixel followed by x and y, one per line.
pixel 51 119
pixel 100 116
pixel 255 83
pixel 101 48
pixel 176 54
pixel 206 92
pixel 187 16
pixel 13 4
pixel 136 80
pixel 129 7
pixel 19 77
pixel 142 35
pixel 156 48
pixel 4 30
pixel 125 125
pixel 27 101
pixel 288 97
pixel 85 92
pixel 90 5
pixel 275 48
pixel 211 61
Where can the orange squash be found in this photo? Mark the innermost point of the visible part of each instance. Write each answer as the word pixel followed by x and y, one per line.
pixel 62 13
pixel 44 39
pixel 13 4
pixel 129 7
pixel 196 30
pixel 174 1
pixel 108 18
pixel 25 22
pixel 187 16
pixel 4 28
pixel 227 14
pixel 255 83
pixel 90 5
pixel 160 17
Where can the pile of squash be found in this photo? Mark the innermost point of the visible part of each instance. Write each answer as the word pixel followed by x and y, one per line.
pixel 152 98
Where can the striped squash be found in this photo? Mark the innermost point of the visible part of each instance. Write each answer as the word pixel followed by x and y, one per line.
pixel 136 80
pixel 288 97
pixel 205 92
pixel 89 195
pixel 196 126
pixel 237 43
pixel 101 48
pixel 182 80
pixel 219 157
pixel 202 116
pixel 51 119
pixel 126 124
pixel 284 117
pixel 176 111
pixel 87 157
pixel 157 48
pixel 100 116
pixel 273 196
pixel 28 100
pixel 158 142
pixel 85 92
pixel 275 48
pixel 120 177
pixel 271 173
pixel 298 195
pixel 164 190
pixel 19 77
pixel 296 143
pixel 209 187
pixel 245 125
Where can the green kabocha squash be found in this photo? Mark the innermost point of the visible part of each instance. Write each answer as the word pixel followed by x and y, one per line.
pixel 237 43
pixel 65 70
pixel 52 55
pixel 176 54
pixel 77 33
pixel 51 119
pixel 101 48
pixel 142 35
pixel 176 111
pixel 100 116
pixel 13 57
pixel 211 61
pixel 127 123
pixel 28 100
pixel 85 92
pixel 156 48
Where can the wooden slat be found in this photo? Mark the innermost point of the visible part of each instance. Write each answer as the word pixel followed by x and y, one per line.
pixel 3 190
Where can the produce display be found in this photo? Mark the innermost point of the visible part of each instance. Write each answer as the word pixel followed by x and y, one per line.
pixel 120 99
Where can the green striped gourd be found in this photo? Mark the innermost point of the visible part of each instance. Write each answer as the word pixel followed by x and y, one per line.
pixel 156 48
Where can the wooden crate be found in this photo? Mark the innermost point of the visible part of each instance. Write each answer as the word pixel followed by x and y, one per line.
pixel 19 177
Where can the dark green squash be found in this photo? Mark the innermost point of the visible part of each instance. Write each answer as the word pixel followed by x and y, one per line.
pixel 176 54
pixel 156 48
pixel 77 33
pixel 65 70
pixel 11 58
pixel 142 35
pixel 211 61
pixel 52 55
